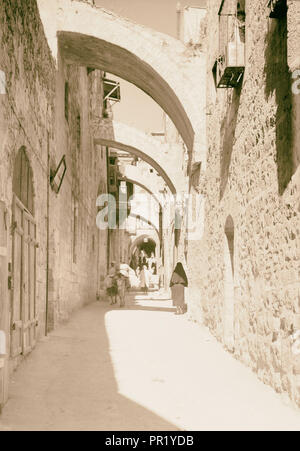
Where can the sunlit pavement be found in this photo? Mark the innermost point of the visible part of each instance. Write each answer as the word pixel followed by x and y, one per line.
pixel 139 368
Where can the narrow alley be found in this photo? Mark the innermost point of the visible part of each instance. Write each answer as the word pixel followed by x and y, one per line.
pixel 149 215
pixel 134 369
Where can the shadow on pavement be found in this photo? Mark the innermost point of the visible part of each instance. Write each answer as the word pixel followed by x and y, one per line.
pixel 68 383
pixel 136 300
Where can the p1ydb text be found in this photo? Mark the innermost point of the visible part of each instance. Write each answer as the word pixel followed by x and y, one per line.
pixel 144 440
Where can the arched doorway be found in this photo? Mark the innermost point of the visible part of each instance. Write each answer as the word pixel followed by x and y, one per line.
pixel 143 247
pixel 228 313
pixel 24 244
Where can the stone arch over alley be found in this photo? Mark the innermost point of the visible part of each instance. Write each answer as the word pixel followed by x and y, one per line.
pixel 165 160
pixel 153 184
pixel 154 62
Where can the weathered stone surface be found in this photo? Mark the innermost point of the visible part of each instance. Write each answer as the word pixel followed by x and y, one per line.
pixel 32 114
pixel 253 175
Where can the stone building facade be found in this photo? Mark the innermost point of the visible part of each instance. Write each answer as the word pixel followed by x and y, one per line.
pixel 247 273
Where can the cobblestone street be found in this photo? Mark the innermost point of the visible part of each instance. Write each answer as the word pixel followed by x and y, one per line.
pixel 139 368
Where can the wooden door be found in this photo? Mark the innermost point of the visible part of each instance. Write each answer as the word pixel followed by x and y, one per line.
pixel 23 311
pixel 4 305
pixel 30 320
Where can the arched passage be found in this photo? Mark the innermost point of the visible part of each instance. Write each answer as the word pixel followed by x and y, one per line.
pixel 120 136
pixel 154 62
pixel 143 239
pixel 228 313
pixel 151 183
pixel 145 188
pixel 146 222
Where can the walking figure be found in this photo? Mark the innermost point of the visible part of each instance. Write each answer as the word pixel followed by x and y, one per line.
pixel 145 279
pixel 178 283
pixel 121 289
pixel 122 282
pixel 110 284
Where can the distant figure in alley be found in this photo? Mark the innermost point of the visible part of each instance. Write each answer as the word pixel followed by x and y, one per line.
pixel 122 282
pixel 178 283
pixel 110 283
pixel 145 279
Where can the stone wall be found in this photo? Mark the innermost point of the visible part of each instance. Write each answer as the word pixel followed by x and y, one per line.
pixel 26 116
pixel 32 114
pixel 77 241
pixel 252 180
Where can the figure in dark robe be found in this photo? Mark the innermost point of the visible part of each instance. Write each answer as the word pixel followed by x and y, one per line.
pixel 178 283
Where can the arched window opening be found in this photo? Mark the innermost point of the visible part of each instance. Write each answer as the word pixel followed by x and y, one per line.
pixel 22 180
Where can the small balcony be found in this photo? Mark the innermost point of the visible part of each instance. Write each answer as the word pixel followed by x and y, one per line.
pixel 230 65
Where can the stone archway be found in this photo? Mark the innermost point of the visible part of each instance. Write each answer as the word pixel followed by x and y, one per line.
pixel 123 137
pixel 161 66
pixel 228 311
pixel 151 183
pixel 153 236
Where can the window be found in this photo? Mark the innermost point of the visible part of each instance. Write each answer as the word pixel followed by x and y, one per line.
pixel 214 72
pixel 22 180
pixel 90 70
pixel 111 90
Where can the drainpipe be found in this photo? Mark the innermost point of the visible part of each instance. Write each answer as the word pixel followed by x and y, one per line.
pixel 47 234
pixel 108 230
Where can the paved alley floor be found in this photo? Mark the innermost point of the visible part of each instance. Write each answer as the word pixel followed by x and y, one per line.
pixel 139 368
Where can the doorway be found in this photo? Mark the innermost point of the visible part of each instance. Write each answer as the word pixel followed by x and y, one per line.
pixel 23 300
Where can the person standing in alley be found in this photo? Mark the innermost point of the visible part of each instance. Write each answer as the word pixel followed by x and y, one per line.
pixel 178 283
pixel 144 278
pixel 111 287
pixel 121 288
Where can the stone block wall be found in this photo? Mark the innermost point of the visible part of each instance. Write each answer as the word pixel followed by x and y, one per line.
pixel 252 176
pixel 26 116
pixel 32 114
pixel 77 239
